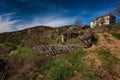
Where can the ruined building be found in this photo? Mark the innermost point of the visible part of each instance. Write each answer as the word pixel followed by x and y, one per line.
pixel 69 35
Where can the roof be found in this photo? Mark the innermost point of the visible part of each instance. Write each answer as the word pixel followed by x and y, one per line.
pixel 84 27
pixel 102 17
pixel 70 32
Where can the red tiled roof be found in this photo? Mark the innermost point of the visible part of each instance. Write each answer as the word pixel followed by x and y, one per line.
pixel 101 17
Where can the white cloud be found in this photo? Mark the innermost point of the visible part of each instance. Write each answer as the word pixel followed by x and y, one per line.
pixel 52 21
pixel 5 23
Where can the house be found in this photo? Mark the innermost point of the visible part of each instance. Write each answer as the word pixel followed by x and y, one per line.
pixel 107 19
pixel 69 35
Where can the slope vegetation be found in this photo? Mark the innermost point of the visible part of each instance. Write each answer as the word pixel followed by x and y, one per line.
pixel 18 60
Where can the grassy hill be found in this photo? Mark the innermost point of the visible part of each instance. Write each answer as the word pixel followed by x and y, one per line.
pixel 28 37
pixel 19 62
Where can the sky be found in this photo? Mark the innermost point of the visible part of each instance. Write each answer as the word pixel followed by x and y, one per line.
pixel 21 14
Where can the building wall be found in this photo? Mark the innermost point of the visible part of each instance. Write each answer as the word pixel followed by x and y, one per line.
pixel 68 36
pixel 107 20
pixel 63 38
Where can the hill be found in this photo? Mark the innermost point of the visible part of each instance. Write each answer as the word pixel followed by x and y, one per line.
pixel 18 60
pixel 29 37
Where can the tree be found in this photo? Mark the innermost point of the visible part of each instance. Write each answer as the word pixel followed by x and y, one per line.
pixel 117 9
pixel 78 22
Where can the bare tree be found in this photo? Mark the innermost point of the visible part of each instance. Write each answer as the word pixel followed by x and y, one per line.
pixel 117 9
pixel 78 22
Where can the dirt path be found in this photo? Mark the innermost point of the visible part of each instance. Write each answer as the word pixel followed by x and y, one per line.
pixel 114 46
pixel 109 42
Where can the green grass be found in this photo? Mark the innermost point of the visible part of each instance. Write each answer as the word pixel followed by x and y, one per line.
pixel 107 58
pixel 59 72
pixel 107 38
pixel 20 51
pixel 64 67
pixel 76 58
pixel 97 38
pixel 56 69
pixel 116 35
pixel 115 26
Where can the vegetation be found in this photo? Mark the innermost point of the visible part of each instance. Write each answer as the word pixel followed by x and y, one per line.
pixel 106 57
pixel 107 38
pixel 20 62
pixel 116 35
pixel 20 51
pixel 78 22
pixel 108 61
pixel 117 8
pixel 64 67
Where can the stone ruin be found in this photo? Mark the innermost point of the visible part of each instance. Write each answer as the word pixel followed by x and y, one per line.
pixel 88 38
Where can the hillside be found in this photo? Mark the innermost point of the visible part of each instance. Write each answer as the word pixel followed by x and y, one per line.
pixel 19 61
pixel 28 37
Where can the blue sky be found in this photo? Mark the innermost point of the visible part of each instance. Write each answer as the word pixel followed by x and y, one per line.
pixel 20 14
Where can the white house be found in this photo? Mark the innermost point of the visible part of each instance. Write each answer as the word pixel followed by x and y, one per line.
pixel 107 19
